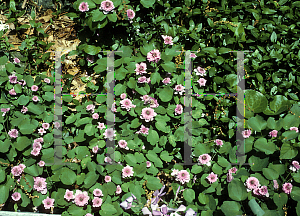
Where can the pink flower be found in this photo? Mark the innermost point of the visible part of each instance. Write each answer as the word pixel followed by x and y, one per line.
pixel 152 101
pixel 202 81
pixel 127 104
pixel 296 164
pixel 179 89
pixel 22 82
pixel 41 140
pixel 37 145
pixel 41 131
pixel 256 191
pixel 145 98
pixel 287 188
pixel 84 6
pixel 229 177
pixel 34 88
pixel 107 179
pixel 130 14
pixel 95 116
pixel 13 78
pixel 148 114
pixel 295 129
pixel 109 133
pixel 35 99
pixel 13 133
pixel 90 58
pixel 148 164
pixel 183 176
pixel 276 186
pixel 69 195
pixel 174 172
pixel 246 133
pixel 97 202
pixel 97 192
pixel 122 144
pixel 16 170
pixel 12 92
pixel 143 130
pixel 273 133
pixel 107 160
pixel 252 183
pixel 178 109
pixel 41 163
pixel 119 190
pixel 16 61
pixel 219 142
pixel 142 79
pixel 47 80
pixel 127 171
pixel 232 170
pixel 113 107
pixel 95 149
pixel 101 126
pixel 22 167
pixel 167 39
pixel 107 6
pixel 166 81
pixel 4 110
pixel 88 214
pixel 264 191
pixel 200 71
pixel 140 68
pixel 204 159
pixel 81 198
pixel 153 56
pixel 39 184
pixel 90 107
pixel 48 203
pixel 193 55
pixel 123 96
pixel 24 110
pixel 46 126
pixel 16 196
pixel 56 125
pixel 212 177
pixel 35 152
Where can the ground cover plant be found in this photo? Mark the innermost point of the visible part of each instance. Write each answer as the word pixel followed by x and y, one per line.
pixel 149 176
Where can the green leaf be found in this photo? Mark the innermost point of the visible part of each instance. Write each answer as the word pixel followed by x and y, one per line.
pixel 264 146
pixel 67 176
pixel 4 146
pixel 152 156
pixel 10 67
pixel 18 88
pixel 107 209
pixel 112 17
pixel 164 155
pixel 280 199
pixel 169 67
pixel 35 108
pixel 92 50
pixel 189 195
pixel 23 100
pixel 166 94
pixel 287 152
pixel 256 209
pixel 153 183
pixel 89 129
pixel 230 208
pixel 257 123
pixel 72 118
pixel 256 101
pixel 22 143
pixel 155 77
pixel 49 96
pixel 90 179
pixel 273 37
pixel 4 191
pixel 270 173
pixel 237 190
pixel 147 3
pixel 152 137
pixel 258 164
pixel 34 170
pixel 130 159
pixel 295 194
pixel 97 15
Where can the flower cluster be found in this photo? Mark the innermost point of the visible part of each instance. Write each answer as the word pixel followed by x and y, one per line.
pixel 40 185
pixel 18 170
